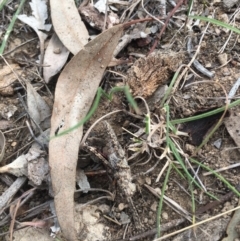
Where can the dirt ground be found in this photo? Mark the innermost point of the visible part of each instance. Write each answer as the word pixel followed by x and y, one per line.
pixel 170 53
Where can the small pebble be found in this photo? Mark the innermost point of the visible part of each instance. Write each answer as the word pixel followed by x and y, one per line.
pixel 148 180
pixel 14 144
pixel 57 51
pixel 218 143
pixel 154 207
pixel 223 58
pixel 121 206
pixel 165 215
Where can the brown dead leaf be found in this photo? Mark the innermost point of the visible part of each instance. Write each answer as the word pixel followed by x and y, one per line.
pixel 233 227
pixel 233 126
pixel 38 109
pixel 7 77
pixel 75 91
pixel 68 25
pixel 96 19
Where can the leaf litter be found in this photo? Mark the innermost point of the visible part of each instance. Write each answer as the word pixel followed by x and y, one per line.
pixel 55 58
pixel 78 84
pixel 37 22
pixel 73 33
pixel 153 147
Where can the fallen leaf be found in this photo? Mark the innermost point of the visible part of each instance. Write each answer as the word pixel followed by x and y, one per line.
pixel 37 21
pixel 37 107
pixel 73 32
pixel 75 91
pixel 2 145
pixel 101 6
pixel 96 19
pixel 55 57
pixel 233 227
pixel 7 77
pixel 233 126
pixel 17 168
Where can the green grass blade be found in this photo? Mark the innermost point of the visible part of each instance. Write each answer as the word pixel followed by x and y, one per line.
pixel 220 177
pixel 2 4
pixel 160 205
pixel 10 27
pixel 192 118
pixel 193 202
pixel 169 90
pixel 190 4
pixel 217 22
pixel 179 159
pixel 100 93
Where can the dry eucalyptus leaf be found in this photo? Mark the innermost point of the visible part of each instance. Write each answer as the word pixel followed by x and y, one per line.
pixel 101 6
pixel 233 227
pixel 233 126
pixel 38 108
pixel 7 77
pixel 55 57
pixel 37 20
pixel 74 94
pixel 68 25
pixel 96 19
pixel 2 145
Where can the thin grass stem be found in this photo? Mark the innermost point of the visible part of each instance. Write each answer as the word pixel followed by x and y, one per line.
pixel 10 27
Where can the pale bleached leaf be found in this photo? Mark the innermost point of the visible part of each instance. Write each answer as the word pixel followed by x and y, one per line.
pixel 39 11
pixel 55 57
pixel 233 126
pixel 37 21
pixel 38 109
pixel 68 25
pixel 101 6
pixel 17 168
